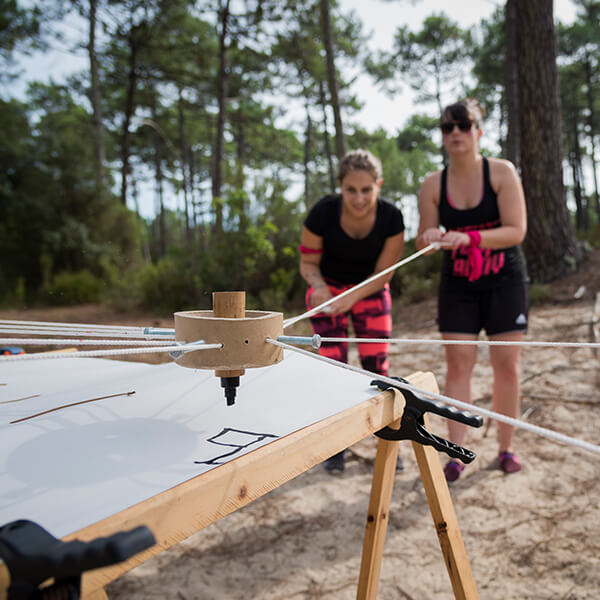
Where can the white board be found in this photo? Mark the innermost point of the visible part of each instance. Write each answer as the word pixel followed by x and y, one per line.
pixel 72 467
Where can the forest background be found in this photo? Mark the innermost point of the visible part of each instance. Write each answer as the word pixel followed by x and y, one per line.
pixel 193 100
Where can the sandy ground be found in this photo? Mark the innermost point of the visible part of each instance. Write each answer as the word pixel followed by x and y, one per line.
pixel 531 535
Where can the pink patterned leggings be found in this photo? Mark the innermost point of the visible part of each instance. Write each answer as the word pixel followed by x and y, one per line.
pixel 371 318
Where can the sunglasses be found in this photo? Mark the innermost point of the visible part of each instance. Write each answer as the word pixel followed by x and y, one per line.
pixel 464 126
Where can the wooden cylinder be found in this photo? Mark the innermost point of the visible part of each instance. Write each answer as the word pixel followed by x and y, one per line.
pixel 231 305
pixel 242 338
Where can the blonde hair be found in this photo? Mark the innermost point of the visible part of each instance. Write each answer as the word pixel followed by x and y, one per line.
pixel 360 160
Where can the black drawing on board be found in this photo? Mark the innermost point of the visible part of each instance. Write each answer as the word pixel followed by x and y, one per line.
pixel 233 438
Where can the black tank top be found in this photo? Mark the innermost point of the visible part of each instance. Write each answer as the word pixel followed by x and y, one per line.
pixel 498 265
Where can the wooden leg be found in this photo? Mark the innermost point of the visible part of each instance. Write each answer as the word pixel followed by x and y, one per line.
pixel 99 594
pixel 440 504
pixel 446 524
pixel 377 517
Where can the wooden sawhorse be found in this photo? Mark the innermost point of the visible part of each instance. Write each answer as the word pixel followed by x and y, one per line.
pixel 179 512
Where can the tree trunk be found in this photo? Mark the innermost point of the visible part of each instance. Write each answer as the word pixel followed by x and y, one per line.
pixel 592 126
pixel 240 140
pixel 326 138
pixel 99 154
pixel 340 139
pixel 222 86
pixel 158 175
pixel 550 244
pixel 575 163
pixel 307 146
pixel 183 153
pixel 192 186
pixel 584 217
pixel 513 137
pixel 129 109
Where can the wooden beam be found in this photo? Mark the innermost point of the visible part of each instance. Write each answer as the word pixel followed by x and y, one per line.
pixel 378 515
pixel 184 509
pixel 4 580
pixel 445 521
pixel 97 595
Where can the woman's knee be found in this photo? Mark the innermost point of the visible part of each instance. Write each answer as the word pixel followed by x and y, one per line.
pixel 505 363
pixel 460 363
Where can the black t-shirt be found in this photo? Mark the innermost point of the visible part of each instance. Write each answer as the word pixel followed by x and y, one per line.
pixel 345 259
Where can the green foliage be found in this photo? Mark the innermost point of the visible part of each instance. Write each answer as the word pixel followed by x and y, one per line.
pixel 433 59
pixel 52 221
pixel 19 31
pixel 418 279
pixel 538 293
pixel 68 288
pixel 167 286
pixel 489 67
pixel 12 297
pixel 251 254
pixel 277 295
pixel 416 288
pixel 590 238
pixel 62 238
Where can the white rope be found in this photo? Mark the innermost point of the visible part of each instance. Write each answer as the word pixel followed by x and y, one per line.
pixel 442 342
pixel 118 352
pixel 553 435
pixel 70 329
pixel 319 308
pixel 79 332
pixel 55 325
pixel 79 342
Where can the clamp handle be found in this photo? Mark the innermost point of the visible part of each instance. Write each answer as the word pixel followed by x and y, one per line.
pixel 412 424
pixel 32 555
pixel 432 406
pixel 426 438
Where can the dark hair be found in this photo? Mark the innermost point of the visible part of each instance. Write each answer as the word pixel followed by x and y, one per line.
pixel 360 160
pixel 467 108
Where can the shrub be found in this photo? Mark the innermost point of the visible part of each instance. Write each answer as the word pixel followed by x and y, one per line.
pixel 67 288
pixel 538 293
pixel 168 286
pixel 416 288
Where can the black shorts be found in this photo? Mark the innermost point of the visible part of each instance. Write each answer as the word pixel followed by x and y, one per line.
pixel 501 309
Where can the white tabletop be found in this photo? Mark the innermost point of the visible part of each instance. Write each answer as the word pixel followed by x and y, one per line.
pixel 72 467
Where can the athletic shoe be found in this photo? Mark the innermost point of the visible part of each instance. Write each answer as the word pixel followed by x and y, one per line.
pixel 452 470
pixel 509 463
pixel 336 464
pixel 399 465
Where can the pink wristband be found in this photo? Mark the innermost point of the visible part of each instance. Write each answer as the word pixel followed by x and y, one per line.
pixel 306 250
pixel 475 238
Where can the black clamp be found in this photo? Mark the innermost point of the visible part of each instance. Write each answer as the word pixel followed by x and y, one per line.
pixel 32 556
pixel 412 425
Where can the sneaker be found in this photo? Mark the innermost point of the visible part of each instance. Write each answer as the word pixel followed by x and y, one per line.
pixel 399 465
pixel 509 463
pixel 336 464
pixel 452 470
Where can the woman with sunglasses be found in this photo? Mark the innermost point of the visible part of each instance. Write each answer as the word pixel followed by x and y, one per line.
pixel 346 238
pixel 475 210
